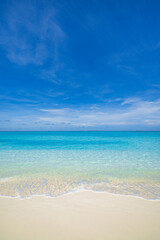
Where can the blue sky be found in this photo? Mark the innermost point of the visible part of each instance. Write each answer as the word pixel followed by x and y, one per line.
pixel 79 65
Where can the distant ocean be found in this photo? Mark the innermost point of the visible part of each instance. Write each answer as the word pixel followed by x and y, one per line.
pixel 56 163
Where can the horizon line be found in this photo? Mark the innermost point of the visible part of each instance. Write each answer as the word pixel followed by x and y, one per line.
pixel 80 131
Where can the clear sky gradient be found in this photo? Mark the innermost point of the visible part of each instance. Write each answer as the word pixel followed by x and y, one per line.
pixel 80 65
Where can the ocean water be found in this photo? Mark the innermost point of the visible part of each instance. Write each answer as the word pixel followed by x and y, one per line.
pixel 55 163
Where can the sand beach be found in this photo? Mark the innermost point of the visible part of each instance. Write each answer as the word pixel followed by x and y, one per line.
pixel 85 215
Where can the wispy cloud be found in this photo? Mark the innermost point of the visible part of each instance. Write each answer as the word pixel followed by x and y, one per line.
pixel 121 61
pixel 138 112
pixel 29 31
pixel 132 113
pixel 156 85
pixel 6 98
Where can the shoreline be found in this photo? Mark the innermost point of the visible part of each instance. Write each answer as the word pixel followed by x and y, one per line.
pixel 17 188
pixel 78 191
pixel 84 215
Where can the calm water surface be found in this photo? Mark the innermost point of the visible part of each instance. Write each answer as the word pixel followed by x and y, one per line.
pixel 54 163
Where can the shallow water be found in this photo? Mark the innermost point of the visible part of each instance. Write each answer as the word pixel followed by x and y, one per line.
pixel 54 163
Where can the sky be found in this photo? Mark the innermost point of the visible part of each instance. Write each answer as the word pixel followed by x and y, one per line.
pixel 79 65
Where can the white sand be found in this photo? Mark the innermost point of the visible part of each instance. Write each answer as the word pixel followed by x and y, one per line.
pixel 80 216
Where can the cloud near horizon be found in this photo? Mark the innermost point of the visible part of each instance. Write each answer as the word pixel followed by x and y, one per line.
pixel 127 114
pixel 138 112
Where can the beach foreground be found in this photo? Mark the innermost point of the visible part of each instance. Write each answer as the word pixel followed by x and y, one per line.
pixel 82 215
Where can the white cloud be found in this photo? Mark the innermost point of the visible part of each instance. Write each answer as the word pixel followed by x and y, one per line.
pixel 130 100
pixel 138 112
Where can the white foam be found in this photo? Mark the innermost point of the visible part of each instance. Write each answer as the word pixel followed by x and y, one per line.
pixel 5 179
pixel 80 189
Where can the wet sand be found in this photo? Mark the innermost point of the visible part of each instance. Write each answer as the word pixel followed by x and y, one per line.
pixel 79 216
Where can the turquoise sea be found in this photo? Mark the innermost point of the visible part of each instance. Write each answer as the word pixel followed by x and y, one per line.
pixel 55 163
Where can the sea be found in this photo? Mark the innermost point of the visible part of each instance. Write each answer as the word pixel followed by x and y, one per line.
pixel 62 162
